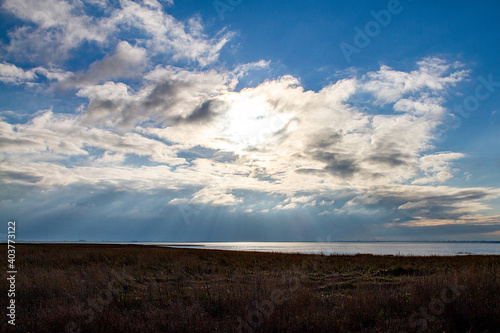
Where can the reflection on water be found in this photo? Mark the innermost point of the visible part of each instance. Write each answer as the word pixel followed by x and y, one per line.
pixel 380 248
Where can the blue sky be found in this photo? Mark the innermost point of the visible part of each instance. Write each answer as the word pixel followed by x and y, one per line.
pixel 250 120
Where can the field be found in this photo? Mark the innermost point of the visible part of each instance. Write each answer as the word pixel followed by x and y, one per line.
pixel 125 288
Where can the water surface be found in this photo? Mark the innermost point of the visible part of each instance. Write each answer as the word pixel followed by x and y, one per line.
pixel 377 248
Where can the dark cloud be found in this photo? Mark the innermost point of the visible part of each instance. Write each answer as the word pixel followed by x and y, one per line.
pixel 225 157
pixel 162 103
pixel 109 213
pixel 328 148
pixel 103 106
pixel 127 62
pixel 391 159
pixel 5 142
pixel 164 95
pixel 20 176
pixel 204 113
pixel 310 171
pixel 462 195
pixel 451 231
pixel 207 153
pixel 389 153
pixel 338 164
pixel 322 148
pixel 418 202
pixel 325 141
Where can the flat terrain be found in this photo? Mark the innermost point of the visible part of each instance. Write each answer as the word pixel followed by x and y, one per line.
pixel 126 288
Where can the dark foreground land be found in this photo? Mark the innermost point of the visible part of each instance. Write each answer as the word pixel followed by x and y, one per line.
pixel 117 288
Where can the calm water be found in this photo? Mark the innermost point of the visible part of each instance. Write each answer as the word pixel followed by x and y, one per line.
pixel 399 248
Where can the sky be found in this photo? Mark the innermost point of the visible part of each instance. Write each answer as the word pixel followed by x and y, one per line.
pixel 238 120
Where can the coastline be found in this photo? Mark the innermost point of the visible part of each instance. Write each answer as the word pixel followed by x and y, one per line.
pixel 327 248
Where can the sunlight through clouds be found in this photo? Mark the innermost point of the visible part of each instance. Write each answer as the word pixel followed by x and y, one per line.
pixel 162 113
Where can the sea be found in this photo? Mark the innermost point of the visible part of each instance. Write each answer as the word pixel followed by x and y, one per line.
pixel 351 248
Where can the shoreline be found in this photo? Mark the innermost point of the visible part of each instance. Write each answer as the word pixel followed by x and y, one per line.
pixel 229 246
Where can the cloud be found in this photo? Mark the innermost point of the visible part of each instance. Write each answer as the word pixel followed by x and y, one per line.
pixel 437 167
pixel 303 199
pixel 214 197
pixel 170 94
pixel 55 28
pixel 178 201
pixel 167 35
pixel 428 202
pixel 469 220
pixel 414 205
pixel 389 86
pixel 287 206
pixel 286 139
pixel 126 62
pixel 275 137
pixel 24 177
pixel 49 136
pixel 10 73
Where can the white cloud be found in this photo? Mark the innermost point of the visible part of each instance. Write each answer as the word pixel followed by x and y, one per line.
pixel 10 73
pixel 52 136
pixel 285 207
pixel 62 26
pixel 414 205
pixel 437 167
pixel 178 201
pixel 215 197
pixel 389 86
pixel 302 199
pixel 109 159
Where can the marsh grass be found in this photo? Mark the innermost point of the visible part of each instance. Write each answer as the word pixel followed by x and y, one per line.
pixel 118 288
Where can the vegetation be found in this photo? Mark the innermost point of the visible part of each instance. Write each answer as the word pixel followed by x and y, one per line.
pixel 118 288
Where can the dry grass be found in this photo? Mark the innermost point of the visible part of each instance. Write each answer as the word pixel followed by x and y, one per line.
pixel 112 288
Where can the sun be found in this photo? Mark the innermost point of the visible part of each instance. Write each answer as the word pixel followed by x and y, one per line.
pixel 251 124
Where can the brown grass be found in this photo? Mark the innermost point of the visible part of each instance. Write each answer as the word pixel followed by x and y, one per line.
pixel 114 288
